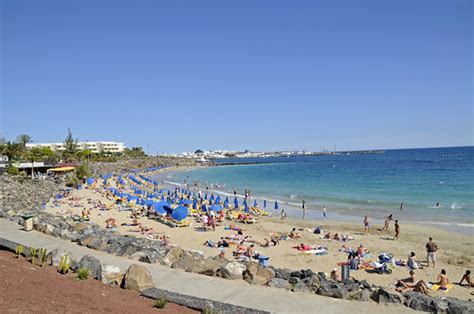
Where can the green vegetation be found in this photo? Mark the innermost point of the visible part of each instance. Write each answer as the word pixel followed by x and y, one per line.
pixel 160 303
pixel 83 171
pixel 33 255
pixel 207 310
pixel 42 256
pixel 64 264
pixel 19 250
pixel 82 274
pixel 16 151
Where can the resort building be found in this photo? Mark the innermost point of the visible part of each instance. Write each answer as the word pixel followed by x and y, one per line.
pixel 95 147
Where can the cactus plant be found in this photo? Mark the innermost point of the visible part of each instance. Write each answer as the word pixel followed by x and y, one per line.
pixel 42 256
pixel 33 255
pixel 19 250
pixel 64 264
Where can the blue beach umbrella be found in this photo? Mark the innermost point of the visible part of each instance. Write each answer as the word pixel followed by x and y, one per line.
pixel 218 199
pixel 212 197
pixel 210 202
pixel 236 202
pixel 204 208
pixel 195 204
pixel 179 213
pixel 216 208
pixel 186 202
pixel 226 203
pixel 255 203
pixel 246 209
pixel 205 196
pixel 276 205
pixel 227 199
pixel 162 197
pixel 245 202
pixel 159 207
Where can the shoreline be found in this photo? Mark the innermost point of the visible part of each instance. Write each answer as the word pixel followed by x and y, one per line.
pixel 313 215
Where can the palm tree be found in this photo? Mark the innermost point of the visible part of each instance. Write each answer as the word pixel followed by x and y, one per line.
pixel 22 139
pixel 12 150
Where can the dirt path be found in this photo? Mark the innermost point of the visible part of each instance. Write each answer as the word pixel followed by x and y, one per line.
pixel 28 288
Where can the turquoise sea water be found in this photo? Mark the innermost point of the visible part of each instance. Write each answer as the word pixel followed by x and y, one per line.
pixel 356 185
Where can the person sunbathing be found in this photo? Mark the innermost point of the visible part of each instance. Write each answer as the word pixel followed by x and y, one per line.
pixel 135 222
pixel 304 247
pixel 410 283
pixel 361 251
pixel 293 234
pixel 443 280
pixel 144 229
pixel 336 237
pixel 467 277
pixel 110 223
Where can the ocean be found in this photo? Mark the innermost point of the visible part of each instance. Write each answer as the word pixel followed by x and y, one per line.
pixel 357 184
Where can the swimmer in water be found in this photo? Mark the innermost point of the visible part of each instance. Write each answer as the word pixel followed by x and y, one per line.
pixel 437 204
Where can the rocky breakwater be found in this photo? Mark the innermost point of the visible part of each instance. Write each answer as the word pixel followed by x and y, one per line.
pixel 23 194
pixel 155 252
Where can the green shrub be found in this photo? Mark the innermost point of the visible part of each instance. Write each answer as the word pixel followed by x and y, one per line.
pixel 64 264
pixel 42 256
pixel 160 303
pixel 33 255
pixel 207 310
pixel 12 170
pixel 19 250
pixel 82 274
pixel 83 171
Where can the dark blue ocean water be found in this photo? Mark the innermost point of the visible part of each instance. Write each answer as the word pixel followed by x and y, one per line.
pixel 373 184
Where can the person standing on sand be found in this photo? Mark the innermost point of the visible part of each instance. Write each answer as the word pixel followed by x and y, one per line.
pixel 283 214
pixel 397 230
pixel 324 212
pixel 387 222
pixel 303 205
pixel 366 225
pixel 401 206
pixel 431 249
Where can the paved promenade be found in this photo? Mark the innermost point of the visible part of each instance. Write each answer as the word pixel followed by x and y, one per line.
pixel 233 292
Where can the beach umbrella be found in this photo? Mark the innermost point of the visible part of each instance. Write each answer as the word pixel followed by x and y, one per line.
pixel 245 202
pixel 227 199
pixel 179 213
pixel 255 203
pixel 216 208
pixel 218 199
pixel 205 196
pixel 226 203
pixel 159 207
pixel 90 181
pixel 162 197
pixel 186 202
pixel 236 202
pixel 195 204
pixel 246 209
pixel 204 208
pixel 276 205
pixel 212 197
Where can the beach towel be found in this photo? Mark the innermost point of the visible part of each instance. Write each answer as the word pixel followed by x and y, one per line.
pixel 438 288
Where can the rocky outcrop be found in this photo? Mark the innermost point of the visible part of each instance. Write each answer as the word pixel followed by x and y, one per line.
pixel 111 275
pixel 233 270
pixel 137 278
pixel 92 264
pixel 257 275
pixel 387 296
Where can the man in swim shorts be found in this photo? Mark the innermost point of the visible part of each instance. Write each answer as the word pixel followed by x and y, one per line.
pixel 431 249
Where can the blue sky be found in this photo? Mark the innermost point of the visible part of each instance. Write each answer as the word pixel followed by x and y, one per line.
pixel 175 76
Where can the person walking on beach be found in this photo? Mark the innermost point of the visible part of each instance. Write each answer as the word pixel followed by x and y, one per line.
pixel 366 225
pixel 431 249
pixel 235 192
pixel 324 212
pixel 303 205
pixel 283 214
pixel 397 230
pixel 387 222
pixel 401 206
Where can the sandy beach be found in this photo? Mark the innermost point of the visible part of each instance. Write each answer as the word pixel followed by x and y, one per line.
pixel 455 253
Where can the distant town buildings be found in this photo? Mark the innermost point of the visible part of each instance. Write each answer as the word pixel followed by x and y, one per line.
pixel 95 147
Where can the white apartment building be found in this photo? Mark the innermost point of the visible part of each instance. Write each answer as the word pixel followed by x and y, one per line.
pixel 95 147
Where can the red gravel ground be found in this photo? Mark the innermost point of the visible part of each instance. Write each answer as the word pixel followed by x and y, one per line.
pixel 26 288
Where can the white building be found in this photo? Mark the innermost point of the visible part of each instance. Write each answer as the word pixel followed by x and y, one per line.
pixel 95 147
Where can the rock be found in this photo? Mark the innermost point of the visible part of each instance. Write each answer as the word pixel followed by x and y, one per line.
pixel 307 273
pixel 315 282
pixel 297 274
pixel 53 258
pixel 332 289
pixel 233 270
pixel 49 229
pixel 386 296
pixel 137 278
pixel 205 266
pixel 111 275
pixel 282 273
pixel 459 306
pixel 279 283
pixel 360 295
pixel 294 280
pixel 98 244
pixel 186 261
pixel 86 240
pixel 172 256
pixel 92 264
pixel 300 287
pixel 257 275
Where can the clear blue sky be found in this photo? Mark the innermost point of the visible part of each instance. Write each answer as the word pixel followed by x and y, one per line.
pixel 175 76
